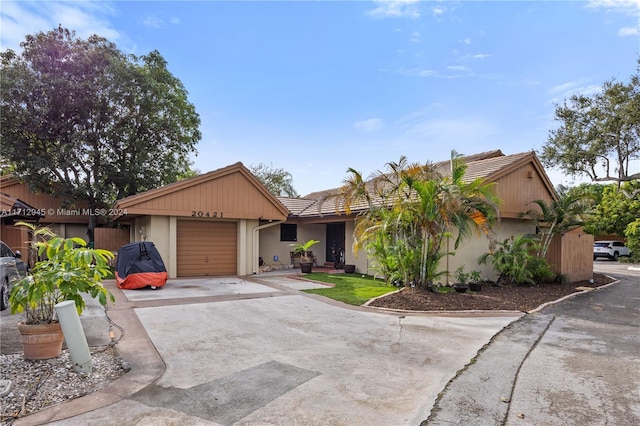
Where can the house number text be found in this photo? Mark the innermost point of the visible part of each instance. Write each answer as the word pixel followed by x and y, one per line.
pixel 200 213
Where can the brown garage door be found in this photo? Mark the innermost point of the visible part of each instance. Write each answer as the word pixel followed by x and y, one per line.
pixel 206 248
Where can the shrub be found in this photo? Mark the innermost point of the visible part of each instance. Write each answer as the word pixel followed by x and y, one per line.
pixel 632 232
pixel 514 260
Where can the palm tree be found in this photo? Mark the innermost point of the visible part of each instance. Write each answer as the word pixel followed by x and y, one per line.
pixel 559 216
pixel 415 209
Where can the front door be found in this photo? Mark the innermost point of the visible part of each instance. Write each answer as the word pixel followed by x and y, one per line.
pixel 335 239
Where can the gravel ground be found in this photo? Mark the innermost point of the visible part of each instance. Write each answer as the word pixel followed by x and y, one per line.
pixel 38 384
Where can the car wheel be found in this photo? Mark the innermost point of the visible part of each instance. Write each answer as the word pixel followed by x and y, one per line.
pixel 4 295
pixel 615 255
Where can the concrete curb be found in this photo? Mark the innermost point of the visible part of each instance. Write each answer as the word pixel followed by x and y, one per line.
pixel 569 296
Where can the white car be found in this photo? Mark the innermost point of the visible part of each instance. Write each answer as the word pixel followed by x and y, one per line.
pixel 610 249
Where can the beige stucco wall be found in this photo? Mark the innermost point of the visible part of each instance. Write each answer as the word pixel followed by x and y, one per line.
pixel 467 254
pixel 270 244
pixel 156 229
pixel 470 250
pixel 247 248
pixel 359 259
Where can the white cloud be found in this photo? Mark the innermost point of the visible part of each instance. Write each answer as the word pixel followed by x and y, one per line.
pixel 458 68
pixel 565 90
pixel 451 131
pixel 415 37
pixel 19 19
pixel 474 56
pixel 417 72
pixel 630 7
pixel 437 11
pixel 467 40
pixel 369 125
pixel 395 9
pixel 628 31
pixel 153 21
pixel 626 7
pixel 453 71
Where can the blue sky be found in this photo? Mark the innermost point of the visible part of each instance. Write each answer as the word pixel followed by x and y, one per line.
pixel 315 87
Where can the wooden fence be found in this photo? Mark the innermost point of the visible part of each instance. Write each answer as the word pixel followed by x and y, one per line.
pixel 110 238
pixel 571 254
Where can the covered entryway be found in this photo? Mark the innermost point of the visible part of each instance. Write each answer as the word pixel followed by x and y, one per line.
pixel 206 248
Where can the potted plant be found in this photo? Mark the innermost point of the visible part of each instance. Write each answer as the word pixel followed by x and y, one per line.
pixel 302 251
pixel 461 279
pixel 67 270
pixel 475 284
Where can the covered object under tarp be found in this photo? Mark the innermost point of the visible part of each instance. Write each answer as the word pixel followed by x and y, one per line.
pixel 140 265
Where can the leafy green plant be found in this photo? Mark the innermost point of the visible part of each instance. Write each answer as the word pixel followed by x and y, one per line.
pixel 68 270
pixel 302 249
pixel 475 276
pixel 460 275
pixel 558 216
pixel 632 233
pixel 515 261
pixel 420 207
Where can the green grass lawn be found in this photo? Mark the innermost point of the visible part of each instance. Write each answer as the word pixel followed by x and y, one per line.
pixel 353 289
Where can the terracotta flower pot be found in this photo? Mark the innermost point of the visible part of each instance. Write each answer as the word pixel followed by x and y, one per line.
pixel 42 341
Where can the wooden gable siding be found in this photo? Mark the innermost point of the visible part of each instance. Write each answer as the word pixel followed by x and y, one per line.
pixel 53 207
pixel 231 196
pixel 518 188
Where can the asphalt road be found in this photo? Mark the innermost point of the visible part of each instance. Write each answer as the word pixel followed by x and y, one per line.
pixel 573 363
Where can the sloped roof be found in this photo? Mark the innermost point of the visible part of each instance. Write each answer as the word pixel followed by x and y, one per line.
pixel 14 207
pixel 490 165
pixel 148 202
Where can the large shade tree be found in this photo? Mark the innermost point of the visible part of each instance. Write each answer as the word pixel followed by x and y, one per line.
pixel 598 136
pixel 617 208
pixel 84 120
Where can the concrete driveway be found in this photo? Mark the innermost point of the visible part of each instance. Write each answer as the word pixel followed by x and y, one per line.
pixel 248 352
pixel 573 363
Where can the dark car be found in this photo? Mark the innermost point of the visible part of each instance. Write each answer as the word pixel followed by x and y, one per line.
pixel 11 269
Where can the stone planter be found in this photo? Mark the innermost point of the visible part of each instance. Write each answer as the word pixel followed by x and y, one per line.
pixel 42 341
pixel 349 269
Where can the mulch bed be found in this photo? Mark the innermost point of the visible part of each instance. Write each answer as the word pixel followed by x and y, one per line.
pixel 491 297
